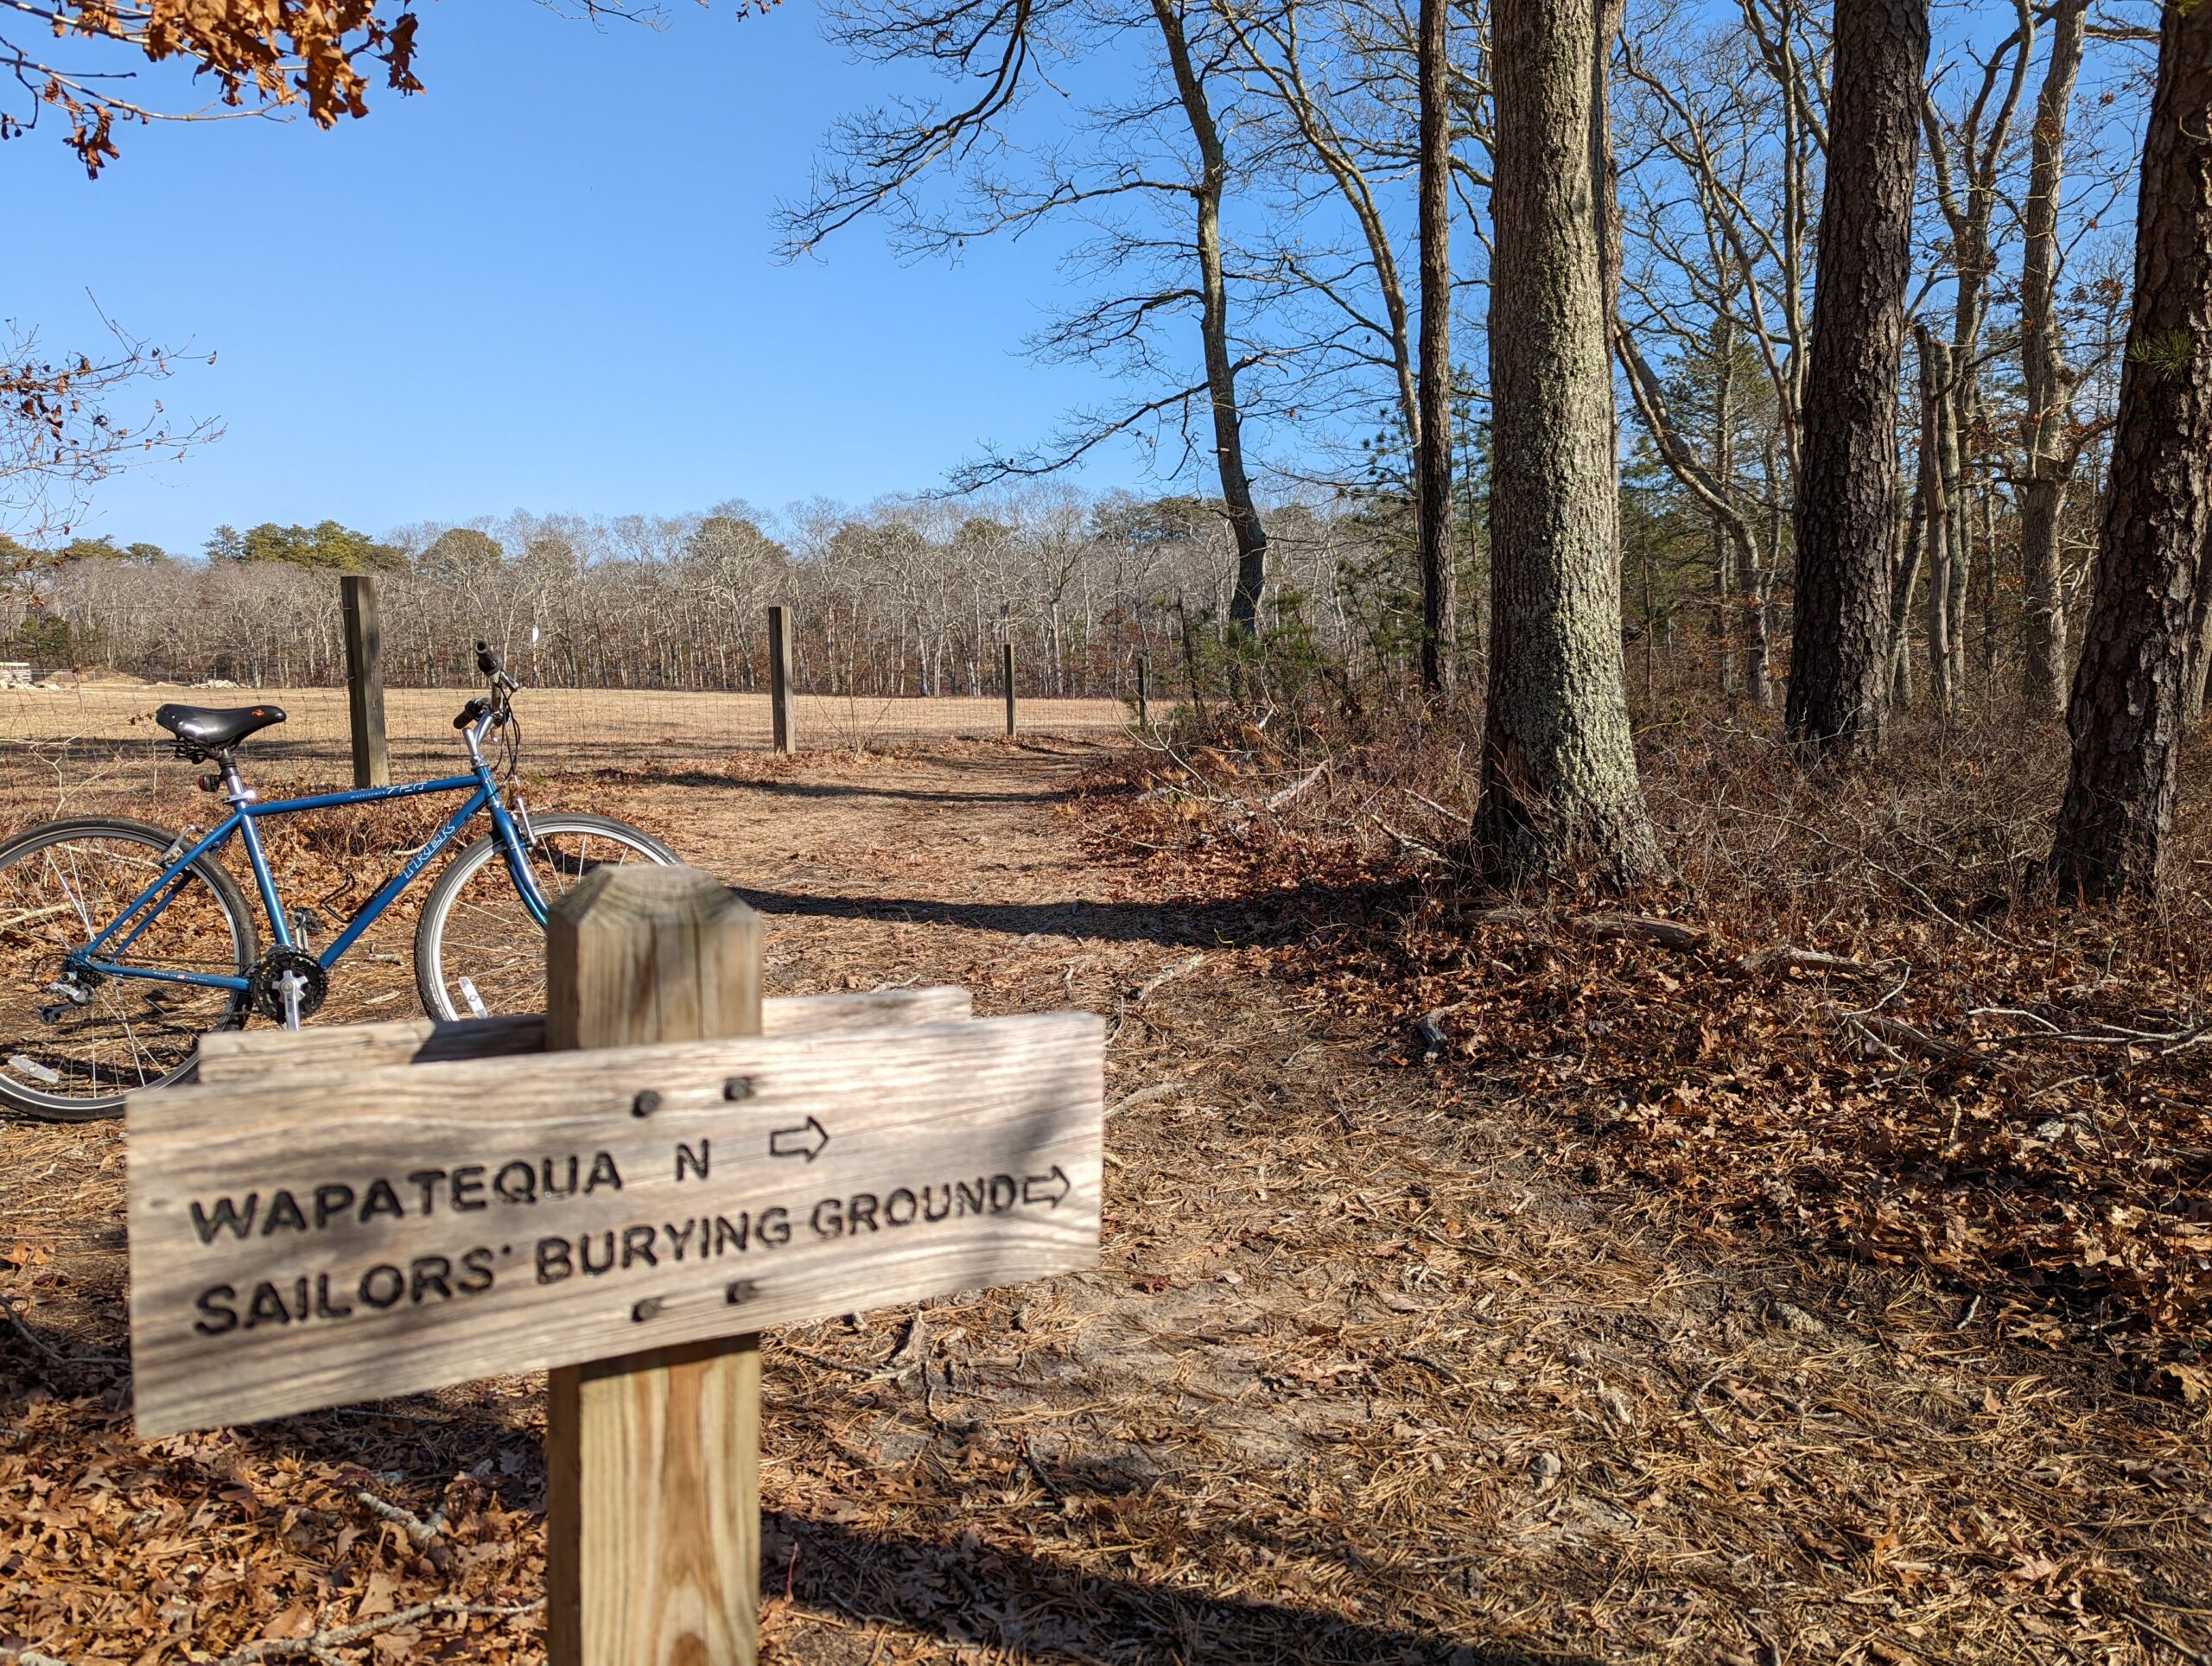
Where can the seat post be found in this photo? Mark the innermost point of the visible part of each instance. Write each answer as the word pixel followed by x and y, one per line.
pixel 235 790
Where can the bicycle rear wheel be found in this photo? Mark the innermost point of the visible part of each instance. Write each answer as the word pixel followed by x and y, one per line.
pixel 478 953
pixel 72 1045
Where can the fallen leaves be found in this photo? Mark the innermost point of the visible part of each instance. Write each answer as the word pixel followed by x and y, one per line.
pixel 2024 1110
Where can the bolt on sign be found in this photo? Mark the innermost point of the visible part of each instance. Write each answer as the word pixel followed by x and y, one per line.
pixel 298 1243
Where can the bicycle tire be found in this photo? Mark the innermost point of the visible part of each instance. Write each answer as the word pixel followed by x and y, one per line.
pixel 521 962
pixel 29 956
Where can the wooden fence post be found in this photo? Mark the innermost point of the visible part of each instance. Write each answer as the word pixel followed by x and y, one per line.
pixel 357 601
pixel 779 677
pixel 654 1460
pixel 1005 673
pixel 1144 710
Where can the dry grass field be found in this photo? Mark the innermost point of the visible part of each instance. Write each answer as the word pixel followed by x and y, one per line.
pixel 66 734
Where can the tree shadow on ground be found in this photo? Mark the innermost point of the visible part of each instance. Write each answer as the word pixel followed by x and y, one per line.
pixel 1031 1606
pixel 845 789
pixel 1040 1609
pixel 1236 921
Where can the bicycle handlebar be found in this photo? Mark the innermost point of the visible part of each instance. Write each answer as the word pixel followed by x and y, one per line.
pixel 489 663
pixel 493 706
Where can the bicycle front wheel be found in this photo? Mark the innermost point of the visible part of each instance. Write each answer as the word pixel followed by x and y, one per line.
pixel 478 953
pixel 74 1042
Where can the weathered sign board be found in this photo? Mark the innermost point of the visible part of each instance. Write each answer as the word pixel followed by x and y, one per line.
pixel 231 1056
pixel 304 1240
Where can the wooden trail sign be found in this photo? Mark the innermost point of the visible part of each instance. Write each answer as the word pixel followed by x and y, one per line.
pixel 301 1242
pixel 622 1192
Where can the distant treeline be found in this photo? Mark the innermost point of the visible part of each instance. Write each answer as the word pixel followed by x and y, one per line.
pixel 909 597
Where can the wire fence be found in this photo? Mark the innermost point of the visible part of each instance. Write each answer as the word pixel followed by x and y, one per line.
pixel 72 734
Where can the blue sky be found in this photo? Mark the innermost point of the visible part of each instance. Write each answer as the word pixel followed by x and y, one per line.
pixel 547 283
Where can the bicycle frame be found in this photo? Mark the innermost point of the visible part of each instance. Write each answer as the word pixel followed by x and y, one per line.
pixel 101 954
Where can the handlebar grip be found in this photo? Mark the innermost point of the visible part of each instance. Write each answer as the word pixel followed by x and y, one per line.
pixel 470 713
pixel 489 663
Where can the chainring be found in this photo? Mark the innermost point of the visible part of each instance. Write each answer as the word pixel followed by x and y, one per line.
pixel 269 999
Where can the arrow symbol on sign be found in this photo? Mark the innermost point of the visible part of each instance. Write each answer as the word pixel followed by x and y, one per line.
pixel 805 1142
pixel 1047 1189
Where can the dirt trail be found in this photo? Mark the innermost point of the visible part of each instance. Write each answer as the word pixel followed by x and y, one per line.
pixel 1365 1374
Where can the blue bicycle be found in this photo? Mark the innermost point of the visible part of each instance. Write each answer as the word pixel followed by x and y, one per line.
pixel 120 942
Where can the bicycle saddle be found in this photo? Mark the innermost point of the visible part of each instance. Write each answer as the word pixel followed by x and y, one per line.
pixel 216 730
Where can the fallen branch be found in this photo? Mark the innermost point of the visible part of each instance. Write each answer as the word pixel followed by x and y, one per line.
pixel 909 1350
pixel 13 1312
pixel 1406 841
pixel 1784 956
pixel 14 1318
pixel 1643 928
pixel 1504 913
pixel 423 1535
pixel 1896 1033
pixel 1143 1096
pixel 1448 815
pixel 1298 786
pixel 1145 989
pixel 1600 927
pixel 320 1647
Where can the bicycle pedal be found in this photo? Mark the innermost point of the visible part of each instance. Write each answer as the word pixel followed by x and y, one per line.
pixel 32 1068
pixel 305 923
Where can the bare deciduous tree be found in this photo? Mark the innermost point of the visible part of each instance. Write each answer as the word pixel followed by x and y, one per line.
pixel 60 434
pixel 1150 174
pixel 2051 436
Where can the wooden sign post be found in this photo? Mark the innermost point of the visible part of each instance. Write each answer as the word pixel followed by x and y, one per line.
pixel 779 680
pixel 652 1461
pixel 321 1222
pixel 357 602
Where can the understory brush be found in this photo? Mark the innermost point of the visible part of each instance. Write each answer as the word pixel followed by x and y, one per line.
pixel 1851 1016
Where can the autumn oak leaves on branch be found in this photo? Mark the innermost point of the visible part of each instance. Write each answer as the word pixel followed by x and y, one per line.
pixel 308 54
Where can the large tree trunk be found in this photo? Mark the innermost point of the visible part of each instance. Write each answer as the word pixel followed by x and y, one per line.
pixel 2046 380
pixel 1558 766
pixel 1213 323
pixel 1433 441
pixel 2126 708
pixel 1846 494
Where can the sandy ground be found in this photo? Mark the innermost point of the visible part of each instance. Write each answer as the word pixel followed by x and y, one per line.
pixel 1365 1376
